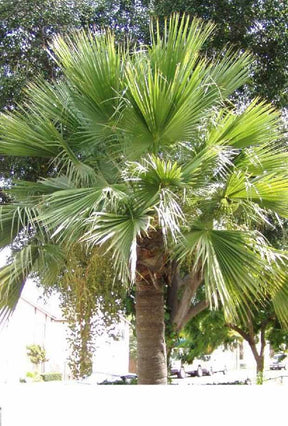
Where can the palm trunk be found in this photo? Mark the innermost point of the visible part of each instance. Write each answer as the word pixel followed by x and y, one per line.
pixel 150 326
pixel 150 330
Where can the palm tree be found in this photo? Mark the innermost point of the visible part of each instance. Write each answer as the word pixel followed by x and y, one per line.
pixel 151 160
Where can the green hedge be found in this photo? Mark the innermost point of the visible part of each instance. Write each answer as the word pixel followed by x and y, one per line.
pixel 48 377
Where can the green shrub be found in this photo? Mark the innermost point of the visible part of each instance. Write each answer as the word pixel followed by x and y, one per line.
pixel 48 377
pixel 34 376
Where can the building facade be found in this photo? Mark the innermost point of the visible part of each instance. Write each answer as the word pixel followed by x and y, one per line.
pixel 36 324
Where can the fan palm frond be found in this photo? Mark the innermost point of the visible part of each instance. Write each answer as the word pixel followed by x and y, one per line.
pixel 269 157
pixel 181 42
pixel 49 263
pixel 257 124
pixel 231 265
pixel 12 280
pixel 28 135
pixel 45 260
pixel 270 191
pixel 168 98
pixel 120 232
pixel 229 71
pixel 94 65
pixel 280 301
pixel 16 220
pixel 34 134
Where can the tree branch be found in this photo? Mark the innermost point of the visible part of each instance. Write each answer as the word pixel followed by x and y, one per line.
pixel 195 310
pixel 238 330
pixel 190 284
pixel 262 334
pixel 249 337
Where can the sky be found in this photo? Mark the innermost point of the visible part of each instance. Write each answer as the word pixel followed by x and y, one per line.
pixel 3 256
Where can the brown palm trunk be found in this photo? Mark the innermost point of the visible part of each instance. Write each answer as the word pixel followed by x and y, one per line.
pixel 150 330
pixel 150 326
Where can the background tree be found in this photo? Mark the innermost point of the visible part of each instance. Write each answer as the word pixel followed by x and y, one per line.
pixel 260 325
pixel 202 335
pixel 91 301
pixel 26 32
pixel 126 18
pixel 278 337
pixel 255 330
pixel 205 333
pixel 37 355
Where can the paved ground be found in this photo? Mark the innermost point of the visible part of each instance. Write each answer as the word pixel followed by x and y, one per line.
pixel 270 378
pixel 72 404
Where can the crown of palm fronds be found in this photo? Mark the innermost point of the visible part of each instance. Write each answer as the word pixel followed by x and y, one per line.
pixel 142 139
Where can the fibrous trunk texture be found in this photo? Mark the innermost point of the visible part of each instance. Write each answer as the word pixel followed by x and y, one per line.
pixel 150 326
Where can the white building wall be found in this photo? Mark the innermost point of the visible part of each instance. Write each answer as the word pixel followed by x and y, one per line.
pixel 112 355
pixel 30 325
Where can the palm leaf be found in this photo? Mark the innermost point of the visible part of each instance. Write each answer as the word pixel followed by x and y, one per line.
pixel 12 280
pixel 229 72
pixel 170 94
pixel 64 212
pixel 121 232
pixel 23 190
pixel 45 260
pixel 258 124
pixel 156 184
pixel 180 43
pixel 230 263
pixel 49 263
pixel 94 66
pixel 270 191
pixel 267 157
pixel 28 135
pixel 152 175
pixel 280 301
pixel 16 220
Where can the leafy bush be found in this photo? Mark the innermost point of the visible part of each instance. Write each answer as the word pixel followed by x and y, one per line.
pixel 120 382
pixel 48 377
pixel 34 376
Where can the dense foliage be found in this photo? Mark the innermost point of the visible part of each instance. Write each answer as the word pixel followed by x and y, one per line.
pixel 205 333
pixel 49 377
